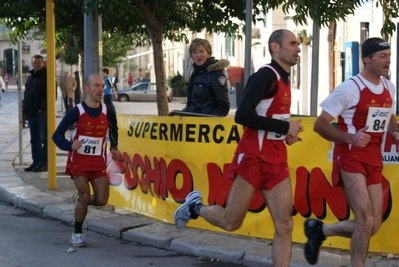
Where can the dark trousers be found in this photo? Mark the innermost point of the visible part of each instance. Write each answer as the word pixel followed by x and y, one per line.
pixel 68 103
pixel 65 103
pixel 38 138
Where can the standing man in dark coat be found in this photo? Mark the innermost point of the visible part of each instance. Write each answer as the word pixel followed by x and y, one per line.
pixel 34 107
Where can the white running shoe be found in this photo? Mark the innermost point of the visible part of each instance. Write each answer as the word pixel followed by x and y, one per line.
pixel 182 214
pixel 78 240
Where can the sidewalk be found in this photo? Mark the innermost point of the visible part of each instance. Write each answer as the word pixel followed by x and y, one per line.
pixel 29 191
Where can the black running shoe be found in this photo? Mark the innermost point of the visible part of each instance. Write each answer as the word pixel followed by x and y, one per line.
pixel 314 233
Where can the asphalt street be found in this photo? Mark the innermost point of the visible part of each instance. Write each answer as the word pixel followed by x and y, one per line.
pixel 34 240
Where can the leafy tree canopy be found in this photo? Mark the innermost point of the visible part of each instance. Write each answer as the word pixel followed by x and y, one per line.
pixel 152 21
pixel 134 16
pixel 325 11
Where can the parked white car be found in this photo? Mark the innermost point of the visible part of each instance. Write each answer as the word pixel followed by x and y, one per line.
pixel 142 92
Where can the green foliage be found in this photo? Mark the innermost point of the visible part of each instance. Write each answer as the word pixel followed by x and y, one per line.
pixel 69 50
pixel 115 45
pixel 143 18
pixel 138 18
pixel 148 22
pixel 178 84
pixel 25 68
pixel 323 12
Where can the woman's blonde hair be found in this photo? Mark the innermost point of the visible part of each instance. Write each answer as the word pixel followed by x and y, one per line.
pixel 197 42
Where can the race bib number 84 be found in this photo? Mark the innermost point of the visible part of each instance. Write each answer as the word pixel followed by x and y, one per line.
pixel 378 119
pixel 91 146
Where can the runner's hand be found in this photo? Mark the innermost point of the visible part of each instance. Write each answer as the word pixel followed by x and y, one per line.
pixel 291 139
pixel 77 144
pixel 295 128
pixel 360 138
pixel 115 154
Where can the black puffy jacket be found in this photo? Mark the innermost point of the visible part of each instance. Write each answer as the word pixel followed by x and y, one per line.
pixel 207 91
pixel 35 95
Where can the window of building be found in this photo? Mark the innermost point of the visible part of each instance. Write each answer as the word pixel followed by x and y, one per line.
pixel 229 50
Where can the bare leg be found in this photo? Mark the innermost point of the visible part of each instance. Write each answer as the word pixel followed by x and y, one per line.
pixel 100 191
pixel 83 188
pixel 100 197
pixel 376 195
pixel 359 197
pixel 237 206
pixel 279 202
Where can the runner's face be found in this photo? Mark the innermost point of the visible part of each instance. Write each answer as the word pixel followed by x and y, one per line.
pixel 95 90
pixel 380 62
pixel 289 50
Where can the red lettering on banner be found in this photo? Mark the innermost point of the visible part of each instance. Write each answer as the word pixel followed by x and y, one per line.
pixel 389 142
pixel 313 192
pixel 219 185
pixel 387 201
pixel 130 175
pixel 152 175
pixel 178 168
pixel 116 168
pixel 301 190
pixel 319 192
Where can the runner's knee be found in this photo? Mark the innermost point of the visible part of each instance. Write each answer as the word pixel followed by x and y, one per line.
pixel 84 198
pixel 101 201
pixel 284 227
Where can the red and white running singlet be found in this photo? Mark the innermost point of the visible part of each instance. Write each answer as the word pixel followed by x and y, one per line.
pixel 373 110
pixel 93 131
pixel 269 146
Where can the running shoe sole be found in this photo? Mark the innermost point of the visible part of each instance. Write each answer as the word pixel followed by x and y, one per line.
pixel 179 221
pixel 78 244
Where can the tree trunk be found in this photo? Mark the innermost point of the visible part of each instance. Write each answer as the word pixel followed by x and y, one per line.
pixel 159 67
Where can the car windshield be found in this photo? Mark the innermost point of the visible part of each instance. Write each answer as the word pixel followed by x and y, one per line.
pixel 141 87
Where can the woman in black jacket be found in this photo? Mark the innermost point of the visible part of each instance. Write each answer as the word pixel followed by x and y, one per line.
pixel 207 91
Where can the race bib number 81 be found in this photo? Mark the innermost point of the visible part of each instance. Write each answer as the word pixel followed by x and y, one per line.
pixel 91 146
pixel 378 119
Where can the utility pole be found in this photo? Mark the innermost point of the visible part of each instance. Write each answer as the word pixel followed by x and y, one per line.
pixel 315 70
pixel 20 115
pixel 248 40
pixel 50 68
pixel 93 48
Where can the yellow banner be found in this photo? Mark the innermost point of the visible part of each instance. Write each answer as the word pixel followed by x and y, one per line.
pixel 165 158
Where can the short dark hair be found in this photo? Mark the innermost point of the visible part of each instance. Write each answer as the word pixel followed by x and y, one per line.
pixel 37 56
pixel 87 79
pixel 276 37
pixel 106 70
